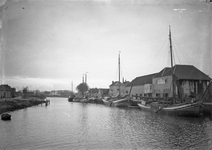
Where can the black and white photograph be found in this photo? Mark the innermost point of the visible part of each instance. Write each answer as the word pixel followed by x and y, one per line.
pixel 106 74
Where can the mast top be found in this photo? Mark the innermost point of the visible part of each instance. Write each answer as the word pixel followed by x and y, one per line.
pixel 170 39
pixel 119 74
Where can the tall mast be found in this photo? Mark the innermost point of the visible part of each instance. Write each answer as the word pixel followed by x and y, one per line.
pixel 170 39
pixel 86 77
pixel 72 86
pixel 119 74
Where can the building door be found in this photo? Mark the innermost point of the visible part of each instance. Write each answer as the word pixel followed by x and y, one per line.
pixel 200 88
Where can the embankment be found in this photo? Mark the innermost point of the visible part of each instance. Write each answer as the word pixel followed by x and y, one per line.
pixel 15 104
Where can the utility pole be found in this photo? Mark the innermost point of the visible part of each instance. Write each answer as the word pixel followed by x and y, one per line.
pixel 72 86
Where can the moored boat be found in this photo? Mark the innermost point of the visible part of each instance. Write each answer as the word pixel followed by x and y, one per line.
pixel 92 100
pixel 119 100
pixel 207 108
pixel 177 90
pixel 84 100
pixel 184 109
pixel 191 109
pixel 5 116
pixel 107 101
pixel 77 99
pixel 207 100
pixel 144 106
pixel 70 98
pixel 122 102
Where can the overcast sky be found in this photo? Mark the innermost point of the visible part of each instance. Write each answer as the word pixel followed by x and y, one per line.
pixel 47 45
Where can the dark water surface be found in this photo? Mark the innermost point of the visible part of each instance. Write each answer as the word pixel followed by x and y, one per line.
pixel 66 125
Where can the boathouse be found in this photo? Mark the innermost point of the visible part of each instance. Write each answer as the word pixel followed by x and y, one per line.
pixel 180 81
pixel 141 86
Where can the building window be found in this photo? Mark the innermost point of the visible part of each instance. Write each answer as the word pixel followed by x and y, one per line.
pixel 136 96
pixel 161 81
pixel 126 92
pixel 165 94
pixel 157 94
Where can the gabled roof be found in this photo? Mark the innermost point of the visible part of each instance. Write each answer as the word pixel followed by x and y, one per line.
pixel 188 72
pixel 162 72
pixel 147 79
pixel 93 90
pixel 116 83
pixel 104 91
pixel 126 83
pixel 5 87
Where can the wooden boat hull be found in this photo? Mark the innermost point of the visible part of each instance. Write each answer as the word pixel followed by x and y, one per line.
pixel 193 109
pixel 84 100
pixel 207 108
pixel 77 99
pixel 121 103
pixel 70 99
pixel 184 110
pixel 145 107
pixel 133 104
pixel 124 102
pixel 106 102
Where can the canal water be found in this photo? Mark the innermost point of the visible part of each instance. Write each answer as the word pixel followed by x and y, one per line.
pixel 69 125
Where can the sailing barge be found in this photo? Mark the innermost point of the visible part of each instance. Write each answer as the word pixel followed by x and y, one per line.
pixel 120 100
pixel 184 90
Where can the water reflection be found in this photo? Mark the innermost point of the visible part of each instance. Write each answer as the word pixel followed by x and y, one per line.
pixel 64 125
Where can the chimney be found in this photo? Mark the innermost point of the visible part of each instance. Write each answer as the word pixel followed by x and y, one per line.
pixel 85 78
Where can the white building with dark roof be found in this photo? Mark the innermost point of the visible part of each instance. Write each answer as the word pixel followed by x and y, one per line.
pixel 180 81
pixel 114 88
pixel 141 86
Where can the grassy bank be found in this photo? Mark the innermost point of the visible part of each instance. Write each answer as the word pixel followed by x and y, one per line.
pixel 18 103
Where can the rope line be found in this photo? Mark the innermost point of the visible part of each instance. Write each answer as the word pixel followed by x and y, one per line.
pixel 155 56
pixel 183 52
pixel 176 53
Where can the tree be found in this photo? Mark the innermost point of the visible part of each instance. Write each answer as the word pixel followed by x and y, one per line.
pixel 25 90
pixel 82 87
